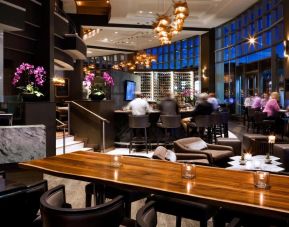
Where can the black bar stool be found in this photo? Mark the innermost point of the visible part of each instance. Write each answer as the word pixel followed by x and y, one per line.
pixel 138 122
pixel 169 123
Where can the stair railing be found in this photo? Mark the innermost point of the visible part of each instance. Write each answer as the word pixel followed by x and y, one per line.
pixel 103 120
pixel 62 126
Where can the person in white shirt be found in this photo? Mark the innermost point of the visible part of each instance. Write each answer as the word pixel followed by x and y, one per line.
pixel 138 106
pixel 212 99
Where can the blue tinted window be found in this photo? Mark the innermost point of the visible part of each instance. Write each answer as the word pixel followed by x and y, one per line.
pixel 154 65
pixel 148 51
pixel 166 49
pixel 245 32
pixel 172 57
pixel 178 65
pixel 190 43
pixel 190 53
pixel 196 51
pixel 268 20
pixel 160 58
pixel 184 44
pixel 166 57
pixel 233 38
pixel 260 41
pixel 260 24
pixel 268 38
pixel 184 53
pixel 280 50
pixel 178 55
pixel 252 29
pixel 259 10
pixel 226 54
pixel 178 45
pixel 233 52
pixel 226 41
pixel 172 47
pixel 166 66
pixel 196 41
pixel 154 51
pixel 196 62
pixel 233 26
pixel 245 19
pixel 190 63
pixel 184 63
pixel 160 50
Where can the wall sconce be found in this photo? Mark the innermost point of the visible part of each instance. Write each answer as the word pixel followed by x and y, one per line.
pixel 286 48
pixel 204 72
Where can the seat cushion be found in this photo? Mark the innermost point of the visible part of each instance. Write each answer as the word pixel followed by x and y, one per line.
pixel 198 145
pixel 220 154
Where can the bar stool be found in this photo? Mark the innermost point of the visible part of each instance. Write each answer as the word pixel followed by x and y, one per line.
pixel 169 123
pixel 204 122
pixel 138 122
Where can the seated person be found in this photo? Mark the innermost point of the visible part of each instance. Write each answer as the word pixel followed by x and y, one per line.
pixel 139 106
pixel 202 108
pixel 212 99
pixel 272 107
pixel 256 104
pixel 264 100
pixel 168 105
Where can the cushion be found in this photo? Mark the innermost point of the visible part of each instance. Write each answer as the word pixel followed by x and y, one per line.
pixel 198 145
pixel 220 154
pixel 160 153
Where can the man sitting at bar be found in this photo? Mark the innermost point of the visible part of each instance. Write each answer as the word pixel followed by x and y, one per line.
pixel 168 105
pixel 139 106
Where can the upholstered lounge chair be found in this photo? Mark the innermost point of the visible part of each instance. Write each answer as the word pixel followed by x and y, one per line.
pixel 197 150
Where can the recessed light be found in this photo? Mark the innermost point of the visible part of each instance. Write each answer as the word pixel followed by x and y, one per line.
pixel 115 32
pixel 89 52
pixel 140 11
pixel 126 42
pixel 105 39
pixel 150 12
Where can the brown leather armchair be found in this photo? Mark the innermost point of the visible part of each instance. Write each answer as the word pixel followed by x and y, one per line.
pixel 196 150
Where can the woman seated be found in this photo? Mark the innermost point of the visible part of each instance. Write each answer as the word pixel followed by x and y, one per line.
pixel 272 107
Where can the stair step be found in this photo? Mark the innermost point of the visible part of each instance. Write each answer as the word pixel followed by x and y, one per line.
pixel 70 147
pixel 86 149
pixel 68 139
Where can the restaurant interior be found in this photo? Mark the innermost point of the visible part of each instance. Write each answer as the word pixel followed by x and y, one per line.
pixel 144 113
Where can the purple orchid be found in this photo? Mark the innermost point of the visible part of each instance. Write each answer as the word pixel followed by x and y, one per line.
pixel 108 80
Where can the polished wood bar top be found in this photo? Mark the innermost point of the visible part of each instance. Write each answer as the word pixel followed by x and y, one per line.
pixel 214 185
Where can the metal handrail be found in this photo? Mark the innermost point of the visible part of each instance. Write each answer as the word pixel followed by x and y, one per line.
pixel 62 125
pixel 92 113
pixel 87 110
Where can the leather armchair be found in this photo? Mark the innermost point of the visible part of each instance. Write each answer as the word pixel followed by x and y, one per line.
pixel 214 154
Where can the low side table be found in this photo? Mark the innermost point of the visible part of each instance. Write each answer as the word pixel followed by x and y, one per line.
pixel 273 167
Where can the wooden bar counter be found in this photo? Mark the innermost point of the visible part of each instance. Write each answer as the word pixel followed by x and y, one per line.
pixel 221 187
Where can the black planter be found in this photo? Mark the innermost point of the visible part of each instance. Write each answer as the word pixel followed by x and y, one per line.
pixel 31 97
pixel 96 97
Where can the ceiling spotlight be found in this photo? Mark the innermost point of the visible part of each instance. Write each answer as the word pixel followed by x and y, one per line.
pixel 140 11
pixel 107 1
pixel 150 12
pixel 115 32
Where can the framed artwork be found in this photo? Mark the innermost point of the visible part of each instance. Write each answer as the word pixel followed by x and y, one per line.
pixel 62 91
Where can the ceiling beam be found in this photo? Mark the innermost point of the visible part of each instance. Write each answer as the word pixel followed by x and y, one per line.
pixel 109 48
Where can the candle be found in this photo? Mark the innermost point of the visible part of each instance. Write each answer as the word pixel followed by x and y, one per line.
pixel 261 179
pixel 271 139
pixel 188 171
pixel 248 156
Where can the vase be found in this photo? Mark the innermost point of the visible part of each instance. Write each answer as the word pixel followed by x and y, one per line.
pixel 96 97
pixel 26 97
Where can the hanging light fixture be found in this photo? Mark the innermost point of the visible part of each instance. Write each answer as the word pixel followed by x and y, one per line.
pixel 166 28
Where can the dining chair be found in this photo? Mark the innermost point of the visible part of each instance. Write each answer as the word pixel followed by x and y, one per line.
pixel 146 216
pixel 56 212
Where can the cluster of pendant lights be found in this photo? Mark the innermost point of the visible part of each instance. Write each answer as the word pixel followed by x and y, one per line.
pixel 166 28
pixel 141 59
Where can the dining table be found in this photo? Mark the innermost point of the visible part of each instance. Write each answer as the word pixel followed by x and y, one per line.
pixel 211 185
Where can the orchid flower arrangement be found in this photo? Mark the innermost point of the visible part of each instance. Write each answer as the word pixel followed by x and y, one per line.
pixel 29 78
pixel 108 80
pixel 88 79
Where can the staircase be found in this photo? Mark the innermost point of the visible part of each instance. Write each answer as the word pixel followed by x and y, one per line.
pixel 71 144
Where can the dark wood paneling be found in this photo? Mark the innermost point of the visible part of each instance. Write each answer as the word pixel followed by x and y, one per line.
pixel 61 25
pixel 34 13
pixel 286 37
pixel 18 43
pixel 43 113
pixel 11 16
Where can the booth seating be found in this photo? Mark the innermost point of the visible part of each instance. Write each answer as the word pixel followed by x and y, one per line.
pixel 252 143
pixel 282 151
pixel 235 143
pixel 217 155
